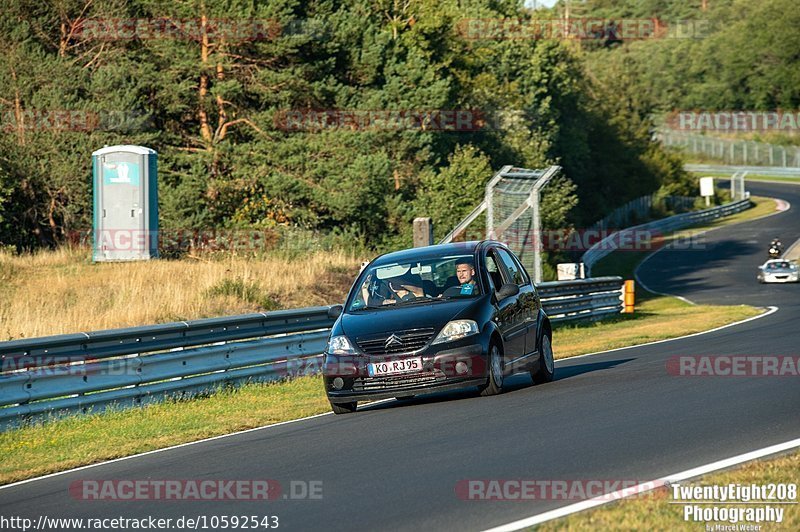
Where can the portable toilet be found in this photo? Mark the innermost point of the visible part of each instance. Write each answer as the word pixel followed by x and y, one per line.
pixel 125 191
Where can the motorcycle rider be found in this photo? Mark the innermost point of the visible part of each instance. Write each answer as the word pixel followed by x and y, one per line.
pixel 775 248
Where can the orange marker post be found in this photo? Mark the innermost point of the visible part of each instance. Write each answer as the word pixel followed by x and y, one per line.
pixel 628 297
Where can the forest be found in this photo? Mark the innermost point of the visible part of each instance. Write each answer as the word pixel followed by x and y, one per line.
pixel 350 118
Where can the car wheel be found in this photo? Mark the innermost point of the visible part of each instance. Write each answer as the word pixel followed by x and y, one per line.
pixel 546 368
pixel 344 408
pixel 494 383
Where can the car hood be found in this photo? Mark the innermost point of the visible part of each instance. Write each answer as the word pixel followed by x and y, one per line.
pixel 435 315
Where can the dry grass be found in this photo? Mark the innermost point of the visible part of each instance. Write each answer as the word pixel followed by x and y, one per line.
pixel 62 291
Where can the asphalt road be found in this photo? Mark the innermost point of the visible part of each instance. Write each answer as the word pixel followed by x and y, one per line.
pixel 617 415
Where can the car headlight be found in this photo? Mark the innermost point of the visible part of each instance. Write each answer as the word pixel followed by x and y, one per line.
pixel 340 345
pixel 456 329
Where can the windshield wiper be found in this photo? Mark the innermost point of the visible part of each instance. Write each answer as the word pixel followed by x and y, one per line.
pixel 371 307
pixel 423 299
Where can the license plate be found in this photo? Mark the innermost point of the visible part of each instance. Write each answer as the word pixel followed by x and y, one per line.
pixel 394 367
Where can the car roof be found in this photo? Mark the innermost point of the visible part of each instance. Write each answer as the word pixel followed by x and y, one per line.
pixel 430 252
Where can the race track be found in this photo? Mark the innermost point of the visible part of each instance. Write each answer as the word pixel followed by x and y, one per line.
pixel 616 415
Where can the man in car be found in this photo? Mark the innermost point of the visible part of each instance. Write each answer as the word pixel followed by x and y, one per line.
pixel 465 272
pixel 403 288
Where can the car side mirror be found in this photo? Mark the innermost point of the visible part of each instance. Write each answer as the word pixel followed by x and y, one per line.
pixel 507 290
pixel 335 311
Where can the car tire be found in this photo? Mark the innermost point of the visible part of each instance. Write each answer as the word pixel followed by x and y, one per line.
pixel 344 408
pixel 494 382
pixel 546 368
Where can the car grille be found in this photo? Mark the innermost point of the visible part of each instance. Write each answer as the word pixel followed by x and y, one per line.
pixel 411 340
pixel 362 384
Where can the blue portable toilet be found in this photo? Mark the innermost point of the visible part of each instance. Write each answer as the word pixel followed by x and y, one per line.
pixel 125 191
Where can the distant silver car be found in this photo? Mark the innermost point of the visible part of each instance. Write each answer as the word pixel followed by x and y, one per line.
pixel 778 271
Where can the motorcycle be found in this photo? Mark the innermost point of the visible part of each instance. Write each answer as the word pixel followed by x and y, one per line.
pixel 774 252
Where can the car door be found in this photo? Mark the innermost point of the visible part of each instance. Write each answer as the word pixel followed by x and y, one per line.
pixel 509 319
pixel 528 298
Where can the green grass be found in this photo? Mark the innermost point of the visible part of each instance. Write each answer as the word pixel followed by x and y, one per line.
pixel 655 318
pixel 79 440
pixel 654 511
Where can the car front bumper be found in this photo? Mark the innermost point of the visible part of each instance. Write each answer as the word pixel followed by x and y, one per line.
pixel 781 278
pixel 454 365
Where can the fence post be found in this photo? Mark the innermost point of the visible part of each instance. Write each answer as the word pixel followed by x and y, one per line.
pixel 423 232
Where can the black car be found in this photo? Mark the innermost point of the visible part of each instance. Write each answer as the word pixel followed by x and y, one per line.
pixel 437 318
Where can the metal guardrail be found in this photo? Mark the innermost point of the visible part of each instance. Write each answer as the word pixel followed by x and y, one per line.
pixel 582 298
pixel 614 241
pixel 757 170
pixel 89 372
pixel 732 151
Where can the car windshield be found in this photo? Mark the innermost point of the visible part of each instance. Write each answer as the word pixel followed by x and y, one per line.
pixel 413 282
pixel 779 265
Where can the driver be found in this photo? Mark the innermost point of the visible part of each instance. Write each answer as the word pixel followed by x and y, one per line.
pixel 403 288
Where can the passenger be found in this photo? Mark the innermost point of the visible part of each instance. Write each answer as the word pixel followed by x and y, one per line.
pixel 465 272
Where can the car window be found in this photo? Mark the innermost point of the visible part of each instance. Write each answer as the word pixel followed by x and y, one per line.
pixel 390 284
pixel 495 273
pixel 515 272
pixel 525 277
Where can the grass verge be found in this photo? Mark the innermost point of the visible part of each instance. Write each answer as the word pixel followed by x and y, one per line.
pixel 80 440
pixel 655 511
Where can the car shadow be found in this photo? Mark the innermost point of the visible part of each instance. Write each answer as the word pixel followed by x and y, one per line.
pixel 513 384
